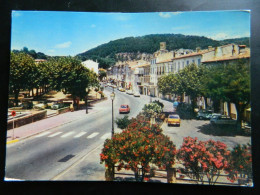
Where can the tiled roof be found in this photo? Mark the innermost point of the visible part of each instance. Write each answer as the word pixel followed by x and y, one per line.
pixel 246 54
pixel 193 54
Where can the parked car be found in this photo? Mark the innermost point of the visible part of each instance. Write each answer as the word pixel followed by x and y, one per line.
pixel 124 108
pixel 136 94
pixel 222 120
pixel 130 92
pixel 174 119
pixel 204 114
pixel 122 90
pixel 40 106
pixel 56 106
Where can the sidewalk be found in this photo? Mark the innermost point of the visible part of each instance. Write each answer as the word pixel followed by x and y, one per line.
pixel 45 124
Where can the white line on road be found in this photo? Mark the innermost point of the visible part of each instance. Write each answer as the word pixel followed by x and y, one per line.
pixel 43 134
pixel 67 134
pixel 106 135
pixel 80 134
pixel 92 135
pixel 57 133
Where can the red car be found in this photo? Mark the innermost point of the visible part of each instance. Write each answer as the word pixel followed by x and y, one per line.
pixel 124 108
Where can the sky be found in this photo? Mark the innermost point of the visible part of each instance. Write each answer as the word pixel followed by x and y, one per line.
pixel 60 33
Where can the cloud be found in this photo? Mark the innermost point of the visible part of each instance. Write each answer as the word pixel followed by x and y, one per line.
pixel 168 14
pixel 63 45
pixel 93 26
pixel 220 36
pixel 164 15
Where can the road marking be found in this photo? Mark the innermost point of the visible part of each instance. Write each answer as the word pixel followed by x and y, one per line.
pixel 67 134
pixel 57 133
pixel 43 134
pixel 92 135
pixel 105 136
pixel 80 134
pixel 12 141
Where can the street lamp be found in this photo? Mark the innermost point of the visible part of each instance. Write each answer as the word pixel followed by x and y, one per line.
pixel 112 95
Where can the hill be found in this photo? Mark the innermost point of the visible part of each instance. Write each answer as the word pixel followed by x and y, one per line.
pixel 107 54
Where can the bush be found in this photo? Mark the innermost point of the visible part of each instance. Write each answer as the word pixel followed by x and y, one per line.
pixel 203 159
pixel 159 103
pixel 139 145
pixel 122 123
pixel 241 163
pixel 152 110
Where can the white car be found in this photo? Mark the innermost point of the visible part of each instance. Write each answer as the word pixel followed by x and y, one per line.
pixel 136 94
pixel 222 120
pixel 130 92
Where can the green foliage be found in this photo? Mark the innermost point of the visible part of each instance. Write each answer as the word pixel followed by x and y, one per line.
pixel 159 103
pixel 152 110
pixel 228 82
pixel 122 123
pixel 32 53
pixel 22 71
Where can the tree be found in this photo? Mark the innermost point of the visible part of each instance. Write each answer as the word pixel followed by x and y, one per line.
pixel 190 82
pixel 139 146
pixel 187 80
pixel 21 70
pixel 102 74
pixel 229 83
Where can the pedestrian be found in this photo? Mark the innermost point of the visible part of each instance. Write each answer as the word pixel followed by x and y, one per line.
pixel 175 105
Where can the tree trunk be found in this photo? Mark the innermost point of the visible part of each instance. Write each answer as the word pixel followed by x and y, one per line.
pixel 216 105
pixel 171 175
pixel 109 173
pixel 86 103
pixel 16 94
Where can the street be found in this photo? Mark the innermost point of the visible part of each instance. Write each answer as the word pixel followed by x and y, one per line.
pixel 71 151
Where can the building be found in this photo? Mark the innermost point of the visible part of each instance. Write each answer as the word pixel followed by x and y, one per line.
pixel 91 65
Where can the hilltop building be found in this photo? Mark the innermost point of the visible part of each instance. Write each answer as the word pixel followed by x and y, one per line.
pixel 91 65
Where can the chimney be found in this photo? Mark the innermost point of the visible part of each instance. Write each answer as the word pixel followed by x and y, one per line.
pixel 162 45
pixel 197 49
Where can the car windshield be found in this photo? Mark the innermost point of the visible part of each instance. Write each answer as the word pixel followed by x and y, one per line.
pixel 123 106
pixel 173 116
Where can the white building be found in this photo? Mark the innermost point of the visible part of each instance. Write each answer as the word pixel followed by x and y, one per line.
pixel 91 65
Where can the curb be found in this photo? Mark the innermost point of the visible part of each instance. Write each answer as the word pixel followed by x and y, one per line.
pixel 12 141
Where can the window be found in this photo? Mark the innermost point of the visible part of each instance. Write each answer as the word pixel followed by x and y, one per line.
pixel 187 62
pixel 198 61
pixel 193 61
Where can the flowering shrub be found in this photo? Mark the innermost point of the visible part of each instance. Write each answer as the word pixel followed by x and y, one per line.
pixel 241 162
pixel 203 159
pixel 152 110
pixel 139 145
